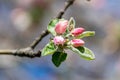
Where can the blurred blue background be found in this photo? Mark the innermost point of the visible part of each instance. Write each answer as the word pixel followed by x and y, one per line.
pixel 23 20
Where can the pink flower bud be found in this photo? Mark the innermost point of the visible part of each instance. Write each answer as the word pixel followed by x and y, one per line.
pixel 77 31
pixel 58 40
pixel 61 27
pixel 77 42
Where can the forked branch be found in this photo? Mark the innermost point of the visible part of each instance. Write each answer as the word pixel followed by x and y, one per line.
pixel 29 51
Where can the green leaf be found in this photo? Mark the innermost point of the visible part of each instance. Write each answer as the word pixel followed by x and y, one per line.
pixel 49 49
pixel 71 25
pixel 81 49
pixel 84 52
pixel 51 26
pixel 58 58
pixel 86 34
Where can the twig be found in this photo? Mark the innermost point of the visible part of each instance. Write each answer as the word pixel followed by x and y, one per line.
pixel 39 38
pixel 29 51
pixel 67 5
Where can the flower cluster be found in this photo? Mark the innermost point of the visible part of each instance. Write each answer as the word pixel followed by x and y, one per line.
pixel 60 29
pixel 66 36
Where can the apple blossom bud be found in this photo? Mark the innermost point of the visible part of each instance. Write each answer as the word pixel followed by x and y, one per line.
pixel 58 40
pixel 77 42
pixel 61 27
pixel 77 31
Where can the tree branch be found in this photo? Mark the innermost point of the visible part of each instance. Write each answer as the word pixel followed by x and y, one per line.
pixel 25 52
pixel 29 51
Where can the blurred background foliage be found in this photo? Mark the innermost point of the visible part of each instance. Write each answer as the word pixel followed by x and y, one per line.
pixel 23 20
